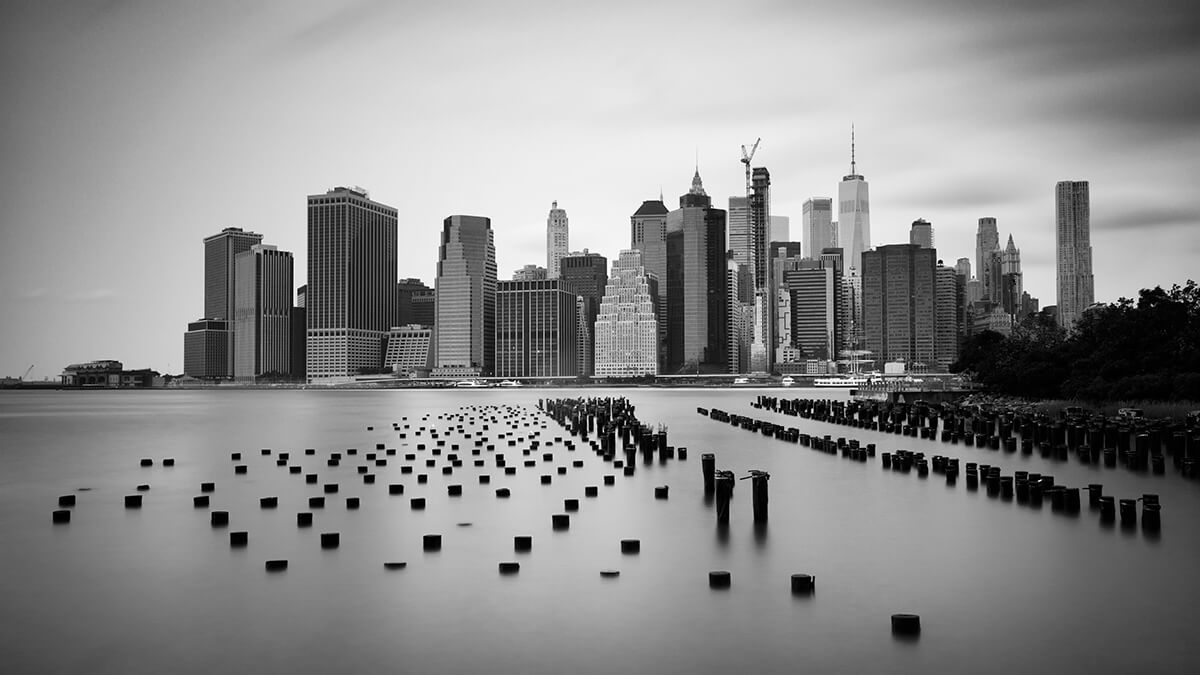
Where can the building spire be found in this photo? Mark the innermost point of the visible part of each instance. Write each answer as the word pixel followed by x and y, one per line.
pixel 853 168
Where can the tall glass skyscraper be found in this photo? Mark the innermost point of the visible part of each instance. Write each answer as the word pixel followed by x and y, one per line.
pixel 262 330
pixel 697 315
pixel 350 299
pixel 219 252
pixel 466 297
pixel 1073 239
pixel 817 231
pixel 854 214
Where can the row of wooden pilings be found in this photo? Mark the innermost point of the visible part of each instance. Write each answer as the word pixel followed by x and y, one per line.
pixel 1028 488
pixel 1137 445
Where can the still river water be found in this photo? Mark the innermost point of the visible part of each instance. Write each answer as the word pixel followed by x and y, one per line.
pixel 1000 587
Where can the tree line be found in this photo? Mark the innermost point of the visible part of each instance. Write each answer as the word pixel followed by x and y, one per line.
pixel 1148 349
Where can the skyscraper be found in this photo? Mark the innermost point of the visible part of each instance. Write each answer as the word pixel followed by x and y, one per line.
pixel 585 275
pixel 557 239
pixel 207 347
pixel 921 233
pixel 741 239
pixel 947 317
pixel 762 345
pixel 262 313
pixel 817 231
pixel 1011 280
pixel 987 239
pixel 414 303
pixel 900 298
pixel 466 297
pixel 813 291
pixel 219 277
pixel 535 329
pixel 350 300
pixel 697 332
pixel 1073 240
pixel 627 327
pixel 648 234
pixel 854 214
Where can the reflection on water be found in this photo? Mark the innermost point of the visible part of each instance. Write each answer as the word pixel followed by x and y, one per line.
pixel 997 584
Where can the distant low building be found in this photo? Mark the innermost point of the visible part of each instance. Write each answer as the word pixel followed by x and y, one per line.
pixel 410 350
pixel 207 346
pixel 109 374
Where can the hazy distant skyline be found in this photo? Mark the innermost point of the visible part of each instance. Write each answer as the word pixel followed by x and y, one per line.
pixel 133 129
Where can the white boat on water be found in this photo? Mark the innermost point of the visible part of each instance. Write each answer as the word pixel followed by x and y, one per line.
pixel 846 381
pixel 741 380
pixel 471 384
pixel 511 383
pixel 788 381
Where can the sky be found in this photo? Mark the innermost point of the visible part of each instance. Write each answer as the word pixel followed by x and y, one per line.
pixel 132 129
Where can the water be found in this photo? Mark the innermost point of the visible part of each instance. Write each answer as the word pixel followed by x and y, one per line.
pixel 1000 587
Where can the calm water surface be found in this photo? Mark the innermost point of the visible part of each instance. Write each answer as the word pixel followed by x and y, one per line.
pixel 1000 587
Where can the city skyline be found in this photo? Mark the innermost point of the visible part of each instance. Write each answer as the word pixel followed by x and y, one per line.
pixel 124 123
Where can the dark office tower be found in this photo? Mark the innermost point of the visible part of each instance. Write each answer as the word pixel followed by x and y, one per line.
pixel 466 298
pixel 921 233
pixel 697 310
pixel 899 295
pixel 535 329
pixel 219 252
pixel 948 321
pixel 760 224
pixel 817 229
pixel 299 345
pixel 585 275
pixel 206 349
pixel 783 256
pixel 351 283
pixel 1073 240
pixel 262 335
pixel 414 303
pixel 987 240
pixel 302 297
pixel 813 289
pixel 648 234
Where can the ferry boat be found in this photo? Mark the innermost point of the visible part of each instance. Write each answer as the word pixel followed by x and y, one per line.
pixel 741 380
pixel 788 381
pixel 511 383
pixel 846 381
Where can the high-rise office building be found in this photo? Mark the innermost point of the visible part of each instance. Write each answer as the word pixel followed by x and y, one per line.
pixel 780 229
pixel 854 214
pixel 899 296
pixel 648 234
pixel 262 315
pixel 736 342
pixel 817 230
pixel 219 277
pixel 987 240
pixel 414 303
pixel 557 239
pixel 741 238
pixel 466 298
pixel 206 349
pixel 947 318
pixel 351 291
pixel 535 329
pixel 760 225
pixel 697 328
pixel 813 290
pixel 921 233
pixel 627 327
pixel 585 275
pixel 1073 240
pixel 783 256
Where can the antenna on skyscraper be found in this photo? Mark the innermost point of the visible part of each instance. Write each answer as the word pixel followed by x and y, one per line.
pixel 746 157
pixel 853 169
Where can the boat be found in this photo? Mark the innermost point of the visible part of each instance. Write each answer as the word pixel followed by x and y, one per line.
pixel 847 381
pixel 511 383
pixel 788 381
pixel 741 380
pixel 471 384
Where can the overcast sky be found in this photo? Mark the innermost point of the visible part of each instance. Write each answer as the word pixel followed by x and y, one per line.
pixel 132 129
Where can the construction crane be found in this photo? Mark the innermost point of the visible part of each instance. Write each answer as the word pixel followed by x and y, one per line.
pixel 27 371
pixel 746 157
